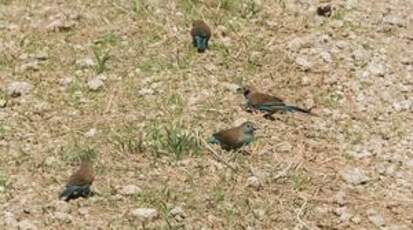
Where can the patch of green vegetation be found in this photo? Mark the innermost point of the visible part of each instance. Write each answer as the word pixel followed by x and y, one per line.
pixel 75 153
pixel 4 183
pixel 339 14
pixel 140 8
pixel 250 10
pixel 332 100
pixel 227 4
pixel 158 198
pixel 172 141
pixel 187 6
pixel 102 56
pixel 107 39
pixel 299 181
pixel 127 140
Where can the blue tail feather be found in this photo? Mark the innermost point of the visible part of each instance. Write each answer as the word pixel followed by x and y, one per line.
pixel 74 191
pixel 200 43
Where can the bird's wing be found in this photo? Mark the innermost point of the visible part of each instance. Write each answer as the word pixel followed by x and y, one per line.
pixel 80 178
pixel 228 137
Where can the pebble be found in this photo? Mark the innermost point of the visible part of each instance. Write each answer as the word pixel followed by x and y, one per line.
pixel 26 225
pixel 3 103
pixel 86 62
pixel 231 87
pixel 130 190
pixel 340 198
pixel 145 214
pixel 177 213
pixel 394 20
pixel 145 91
pixel 90 133
pixel 375 218
pixel 354 176
pixel 253 182
pixel 95 84
pixel 343 213
pixel 18 88
pixel 303 63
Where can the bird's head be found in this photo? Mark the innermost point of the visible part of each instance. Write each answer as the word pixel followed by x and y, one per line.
pixel 248 127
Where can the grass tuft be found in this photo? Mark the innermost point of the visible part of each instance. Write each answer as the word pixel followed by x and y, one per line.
pixel 102 56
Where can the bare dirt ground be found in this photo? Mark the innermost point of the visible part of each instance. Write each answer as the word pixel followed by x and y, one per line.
pixel 121 79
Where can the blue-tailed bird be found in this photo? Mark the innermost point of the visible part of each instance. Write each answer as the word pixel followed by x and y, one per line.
pixel 200 35
pixel 79 182
pixel 234 138
pixel 269 104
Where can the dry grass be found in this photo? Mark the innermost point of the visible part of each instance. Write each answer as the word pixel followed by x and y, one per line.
pixel 161 98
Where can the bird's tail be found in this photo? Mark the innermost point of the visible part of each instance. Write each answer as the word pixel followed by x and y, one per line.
pixel 73 192
pixel 200 43
pixel 291 108
pixel 212 140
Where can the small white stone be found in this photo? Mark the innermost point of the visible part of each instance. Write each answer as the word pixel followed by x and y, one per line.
pixel 26 225
pixel 231 87
pixel 95 84
pixel 409 164
pixel 259 213
pixel 177 211
pixel 145 91
pixel 3 103
pixel 90 133
pixel 10 220
pixel 354 176
pixel 61 216
pixel 253 182
pixel 86 62
pixel 18 88
pixel 83 211
pixel 375 218
pixel 130 190
pixel 50 161
pixel 41 55
pixel 32 65
pixel 145 214
pixel 394 20
pixel 356 219
pixel 343 213
pixel 303 63
pixel 340 197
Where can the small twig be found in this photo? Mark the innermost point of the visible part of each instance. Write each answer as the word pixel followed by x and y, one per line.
pixel 284 172
pixel 109 105
pixel 300 212
pixel 216 156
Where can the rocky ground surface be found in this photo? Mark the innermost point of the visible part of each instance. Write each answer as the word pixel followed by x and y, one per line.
pixel 120 79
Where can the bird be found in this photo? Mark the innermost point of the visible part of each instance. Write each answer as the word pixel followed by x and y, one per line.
pixel 200 35
pixel 234 138
pixel 269 104
pixel 79 182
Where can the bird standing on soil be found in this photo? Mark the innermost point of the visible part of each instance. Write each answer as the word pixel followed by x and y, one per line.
pixel 269 104
pixel 234 138
pixel 80 181
pixel 200 35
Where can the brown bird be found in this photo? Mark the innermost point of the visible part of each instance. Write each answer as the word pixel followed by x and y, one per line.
pixel 200 35
pixel 80 181
pixel 269 104
pixel 234 138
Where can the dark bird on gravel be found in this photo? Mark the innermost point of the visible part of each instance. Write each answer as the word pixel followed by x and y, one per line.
pixel 200 35
pixel 325 10
pixel 79 182
pixel 269 104
pixel 234 138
